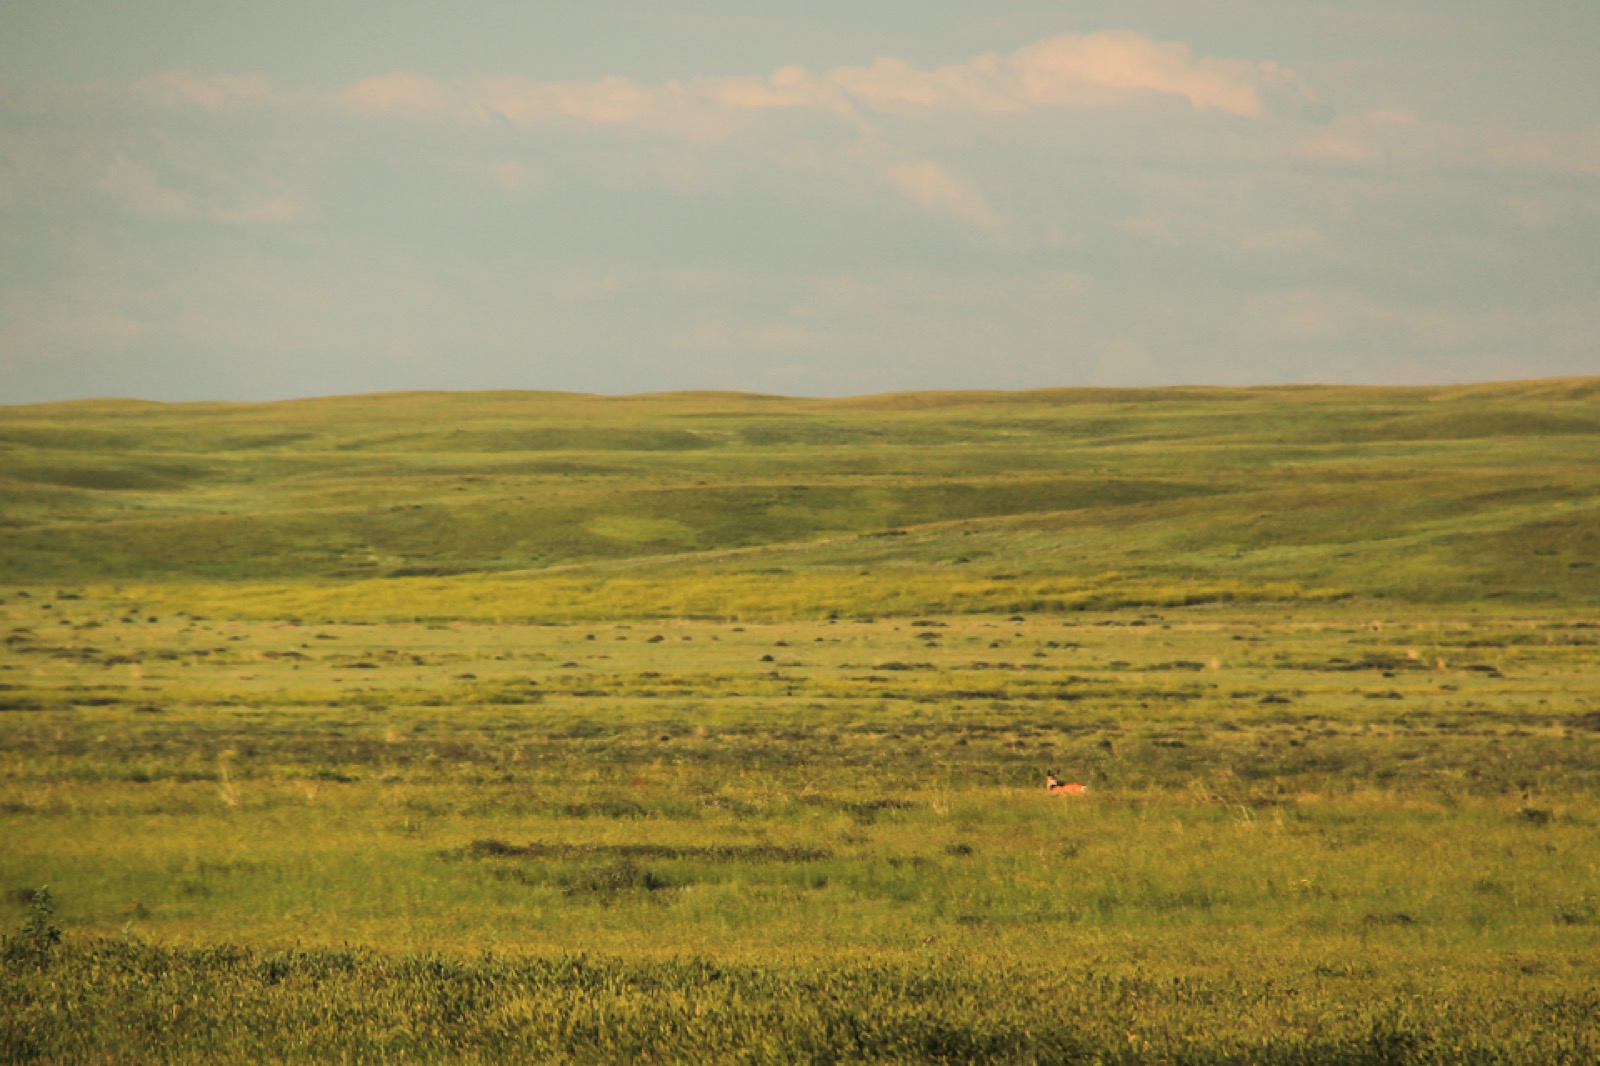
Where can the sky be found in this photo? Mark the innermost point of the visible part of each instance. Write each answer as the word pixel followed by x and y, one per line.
pixel 204 201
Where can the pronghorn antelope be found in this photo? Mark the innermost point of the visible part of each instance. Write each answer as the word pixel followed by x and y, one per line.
pixel 1057 787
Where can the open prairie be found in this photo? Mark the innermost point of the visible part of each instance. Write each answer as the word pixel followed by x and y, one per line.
pixel 495 726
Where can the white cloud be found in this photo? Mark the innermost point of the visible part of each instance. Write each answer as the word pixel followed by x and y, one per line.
pixel 1323 146
pixel 984 84
pixel 1155 227
pixel 181 88
pixel 936 190
pixel 40 324
pixel 515 177
pixel 182 189
pixel 1116 68
pixel 607 102
pixel 268 210
pixel 721 335
pixel 1283 239
pixel 677 226
pixel 1399 139
pixel 580 287
pixel 1070 70
pixel 1321 316
pixel 910 130
pixel 790 87
pixel 140 188
pixel 857 134
pixel 1113 68
pixel 410 96
pixel 1098 70
pixel 1533 213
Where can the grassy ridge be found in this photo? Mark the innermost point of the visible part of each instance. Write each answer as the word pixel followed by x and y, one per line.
pixel 1422 494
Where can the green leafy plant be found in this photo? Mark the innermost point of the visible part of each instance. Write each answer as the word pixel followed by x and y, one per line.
pixel 40 934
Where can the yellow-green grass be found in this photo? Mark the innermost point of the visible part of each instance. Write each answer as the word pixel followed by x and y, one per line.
pixel 1424 495
pixel 1358 804
pixel 476 728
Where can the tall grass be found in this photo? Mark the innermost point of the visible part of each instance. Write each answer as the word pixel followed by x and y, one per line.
pixel 134 1001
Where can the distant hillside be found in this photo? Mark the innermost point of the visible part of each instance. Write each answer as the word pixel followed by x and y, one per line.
pixel 1427 494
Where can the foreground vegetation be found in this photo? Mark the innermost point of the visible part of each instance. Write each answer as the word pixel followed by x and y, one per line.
pixel 776 794
pixel 240 1005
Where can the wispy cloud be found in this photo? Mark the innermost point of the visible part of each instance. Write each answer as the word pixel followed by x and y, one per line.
pixel 939 191
pixel 1400 139
pixel 139 187
pixel 143 190
pixel 410 96
pixel 875 124
pixel 1104 206
pixel 1107 69
pixel 40 323
pixel 1103 68
pixel 720 335
pixel 181 88
pixel 1070 72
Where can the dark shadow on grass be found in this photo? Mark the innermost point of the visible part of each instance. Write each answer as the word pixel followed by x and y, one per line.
pixel 499 849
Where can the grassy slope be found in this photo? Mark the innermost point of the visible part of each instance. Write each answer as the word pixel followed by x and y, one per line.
pixel 1324 830
pixel 1445 494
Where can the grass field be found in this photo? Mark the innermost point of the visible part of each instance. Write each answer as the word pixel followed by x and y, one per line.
pixel 487 727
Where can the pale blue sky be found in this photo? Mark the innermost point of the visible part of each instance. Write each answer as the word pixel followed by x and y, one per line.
pixel 204 201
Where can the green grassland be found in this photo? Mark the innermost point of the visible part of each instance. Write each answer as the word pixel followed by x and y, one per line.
pixel 710 727
pixel 1449 495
